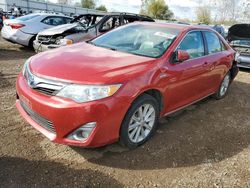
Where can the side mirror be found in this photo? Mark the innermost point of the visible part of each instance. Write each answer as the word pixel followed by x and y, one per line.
pixel 181 56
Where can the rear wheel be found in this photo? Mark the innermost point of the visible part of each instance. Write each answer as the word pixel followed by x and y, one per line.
pixel 140 121
pixel 222 91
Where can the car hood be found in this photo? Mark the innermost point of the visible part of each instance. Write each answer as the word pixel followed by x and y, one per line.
pixel 58 29
pixel 88 64
pixel 239 32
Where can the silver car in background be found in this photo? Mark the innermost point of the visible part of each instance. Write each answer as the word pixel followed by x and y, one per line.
pixel 23 30
pixel 239 38
pixel 83 28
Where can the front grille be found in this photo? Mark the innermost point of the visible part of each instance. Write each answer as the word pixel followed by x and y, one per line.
pixel 44 39
pixel 48 125
pixel 46 91
pixel 243 51
pixel 244 64
pixel 47 87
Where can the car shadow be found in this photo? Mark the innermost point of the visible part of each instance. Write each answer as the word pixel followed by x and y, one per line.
pixel 245 70
pixel 4 80
pixel 207 132
pixel 15 54
pixel 18 172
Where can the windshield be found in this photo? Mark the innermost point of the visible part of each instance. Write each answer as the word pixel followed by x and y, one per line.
pixel 27 17
pixel 144 40
pixel 245 42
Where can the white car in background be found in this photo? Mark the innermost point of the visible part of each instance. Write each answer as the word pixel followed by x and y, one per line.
pixel 23 30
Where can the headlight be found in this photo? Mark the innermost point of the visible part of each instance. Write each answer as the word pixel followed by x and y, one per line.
pixel 86 93
pixel 63 42
pixel 26 64
pixel 236 57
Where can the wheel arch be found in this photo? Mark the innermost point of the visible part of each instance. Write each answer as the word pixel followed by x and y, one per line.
pixel 156 93
pixel 234 70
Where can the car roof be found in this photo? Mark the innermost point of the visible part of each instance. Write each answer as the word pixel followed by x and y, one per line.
pixel 95 14
pixel 179 26
pixel 48 14
pixel 127 13
pixel 114 13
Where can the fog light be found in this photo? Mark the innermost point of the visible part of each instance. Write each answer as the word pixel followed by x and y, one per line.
pixel 83 132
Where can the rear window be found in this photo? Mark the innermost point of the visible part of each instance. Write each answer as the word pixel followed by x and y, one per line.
pixel 27 17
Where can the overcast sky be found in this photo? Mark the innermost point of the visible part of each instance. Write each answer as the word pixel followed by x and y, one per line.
pixel 181 8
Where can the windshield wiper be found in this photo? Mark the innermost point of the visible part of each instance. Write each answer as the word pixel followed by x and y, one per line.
pixel 103 46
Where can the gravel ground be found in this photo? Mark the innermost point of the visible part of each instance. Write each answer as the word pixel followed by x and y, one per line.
pixel 205 145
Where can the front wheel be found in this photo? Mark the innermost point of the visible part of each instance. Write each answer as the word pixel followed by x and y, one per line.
pixel 222 91
pixel 140 121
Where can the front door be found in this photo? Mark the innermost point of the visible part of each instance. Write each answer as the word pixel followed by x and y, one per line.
pixel 188 81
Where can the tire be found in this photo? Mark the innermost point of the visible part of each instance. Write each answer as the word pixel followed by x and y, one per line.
pixel 144 105
pixel 31 42
pixel 225 83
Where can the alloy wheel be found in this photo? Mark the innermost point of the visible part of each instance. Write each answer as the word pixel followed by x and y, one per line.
pixel 225 85
pixel 141 123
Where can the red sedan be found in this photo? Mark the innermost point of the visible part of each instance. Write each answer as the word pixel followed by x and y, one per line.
pixel 117 86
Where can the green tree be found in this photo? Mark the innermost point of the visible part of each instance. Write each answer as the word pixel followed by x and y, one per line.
pixel 90 4
pixel 102 8
pixel 203 14
pixel 158 9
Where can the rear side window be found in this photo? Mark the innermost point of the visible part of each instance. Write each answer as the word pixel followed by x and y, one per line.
pixel 193 44
pixel 111 23
pixel 129 19
pixel 52 20
pixel 214 44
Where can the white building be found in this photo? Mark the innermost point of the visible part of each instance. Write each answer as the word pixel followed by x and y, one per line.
pixel 34 6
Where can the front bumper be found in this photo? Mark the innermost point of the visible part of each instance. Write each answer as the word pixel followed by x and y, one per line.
pixel 243 61
pixel 67 116
pixel 39 47
pixel 16 36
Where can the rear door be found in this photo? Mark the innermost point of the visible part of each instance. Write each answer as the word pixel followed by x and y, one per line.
pixel 219 59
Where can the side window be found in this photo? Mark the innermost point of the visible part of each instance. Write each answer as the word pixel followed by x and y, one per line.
pixel 193 44
pixel 213 42
pixel 130 19
pixel 54 21
pixel 109 24
pixel 67 20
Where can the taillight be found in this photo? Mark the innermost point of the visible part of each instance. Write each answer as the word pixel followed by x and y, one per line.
pixel 16 25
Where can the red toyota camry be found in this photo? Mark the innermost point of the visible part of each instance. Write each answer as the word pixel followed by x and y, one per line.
pixel 117 86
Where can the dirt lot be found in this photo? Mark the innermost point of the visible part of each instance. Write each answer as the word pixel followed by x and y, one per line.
pixel 205 145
